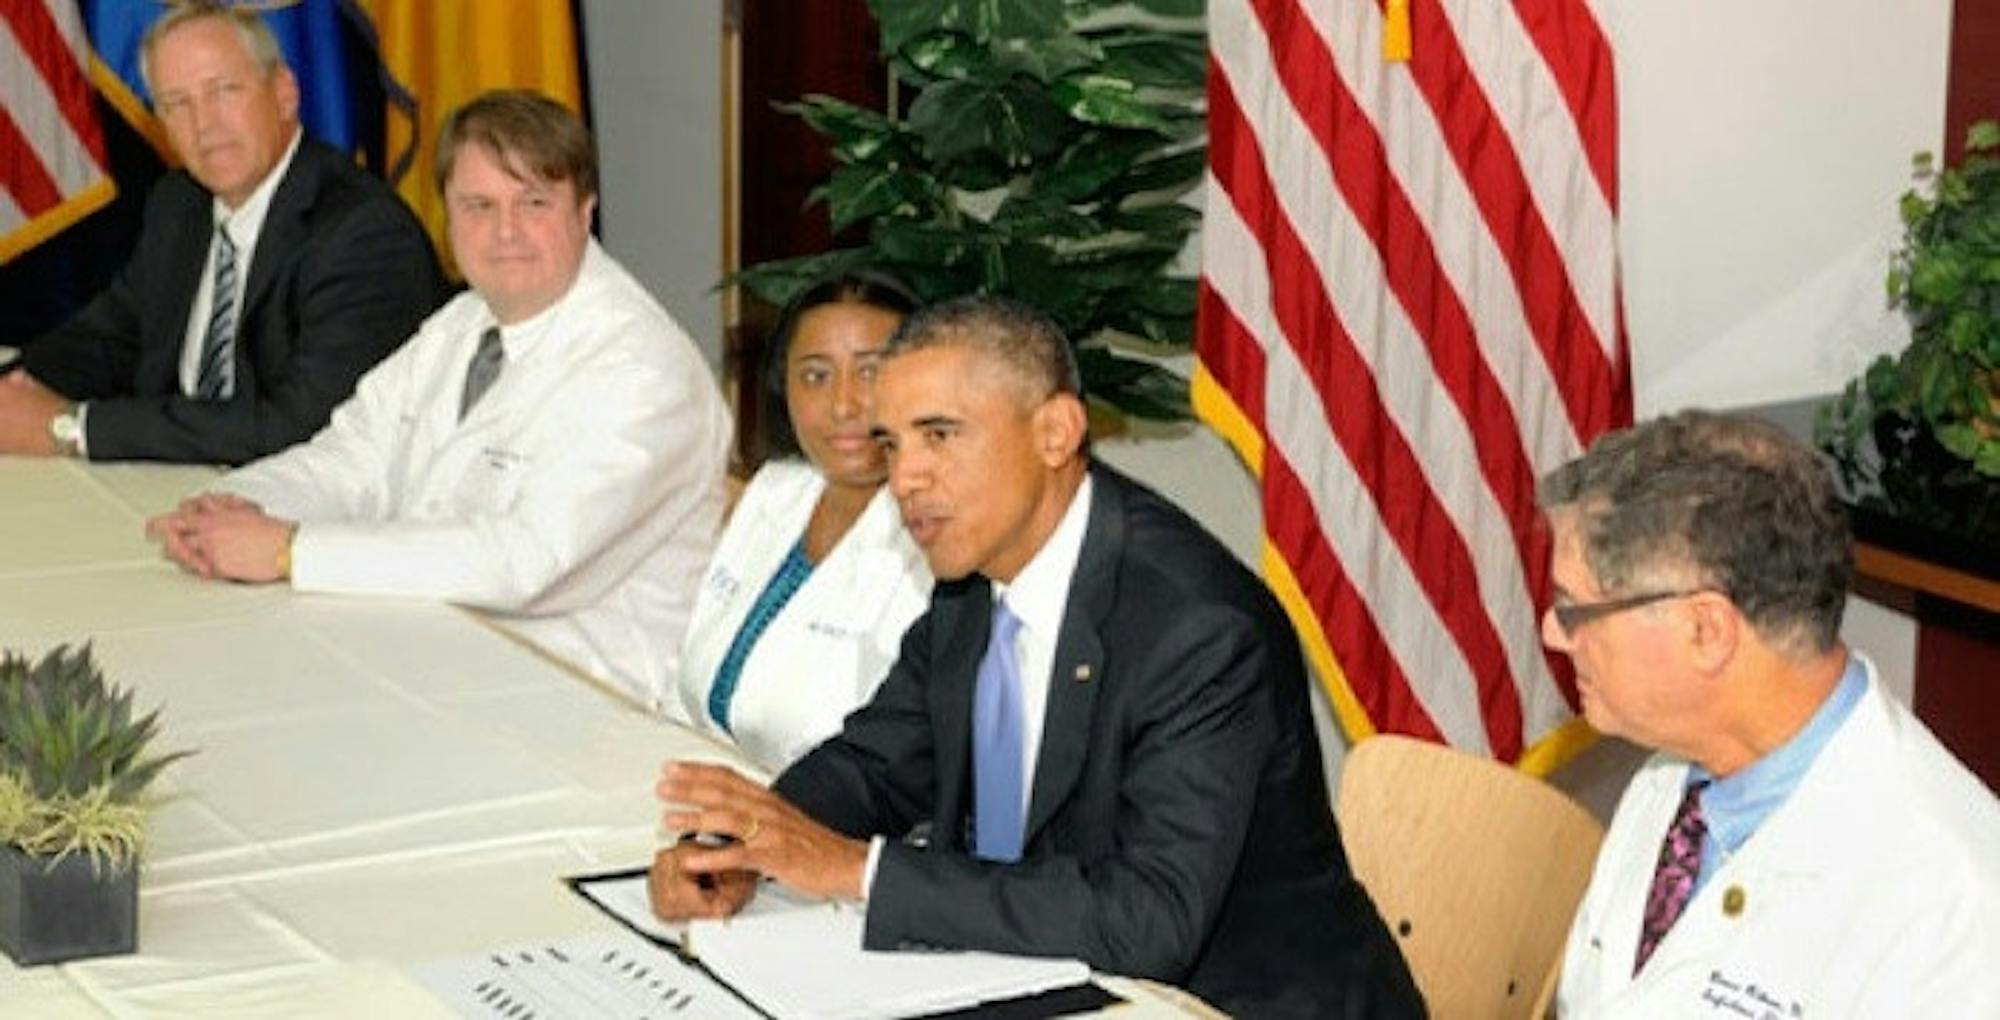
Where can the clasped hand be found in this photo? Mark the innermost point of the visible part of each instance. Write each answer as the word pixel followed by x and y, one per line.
pixel 221 535
pixel 768 836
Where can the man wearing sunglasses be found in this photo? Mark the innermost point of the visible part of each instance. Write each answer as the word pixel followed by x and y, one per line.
pixel 1800 845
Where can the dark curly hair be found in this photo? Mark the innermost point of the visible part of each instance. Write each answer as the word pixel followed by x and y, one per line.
pixel 868 287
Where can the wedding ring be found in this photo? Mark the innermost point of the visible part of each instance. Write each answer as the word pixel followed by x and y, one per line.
pixel 756 826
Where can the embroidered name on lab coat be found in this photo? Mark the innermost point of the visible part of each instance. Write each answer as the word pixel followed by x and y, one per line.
pixel 832 629
pixel 722 582
pixel 1740 998
pixel 499 458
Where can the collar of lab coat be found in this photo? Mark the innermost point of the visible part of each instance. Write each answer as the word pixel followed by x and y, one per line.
pixel 1771 863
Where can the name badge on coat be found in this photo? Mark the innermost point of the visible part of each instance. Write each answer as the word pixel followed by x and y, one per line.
pixel 493 479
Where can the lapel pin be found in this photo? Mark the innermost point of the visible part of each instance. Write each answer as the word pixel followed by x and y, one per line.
pixel 1732 901
pixel 1083 673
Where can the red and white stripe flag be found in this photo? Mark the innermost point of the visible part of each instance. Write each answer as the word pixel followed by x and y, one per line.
pixel 52 161
pixel 1409 311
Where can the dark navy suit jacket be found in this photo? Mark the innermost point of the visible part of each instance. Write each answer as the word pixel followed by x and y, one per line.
pixel 1179 826
pixel 342 275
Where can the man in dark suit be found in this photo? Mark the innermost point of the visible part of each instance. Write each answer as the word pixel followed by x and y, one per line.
pixel 1101 722
pixel 268 276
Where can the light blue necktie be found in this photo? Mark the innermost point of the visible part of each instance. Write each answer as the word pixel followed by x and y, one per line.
pixel 996 744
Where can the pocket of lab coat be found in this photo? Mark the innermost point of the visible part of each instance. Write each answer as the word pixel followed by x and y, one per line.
pixel 492 482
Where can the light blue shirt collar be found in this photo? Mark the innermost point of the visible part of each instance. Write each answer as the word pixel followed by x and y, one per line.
pixel 1735 807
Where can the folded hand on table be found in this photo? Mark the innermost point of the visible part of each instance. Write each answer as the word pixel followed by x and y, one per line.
pixel 771 837
pixel 218 534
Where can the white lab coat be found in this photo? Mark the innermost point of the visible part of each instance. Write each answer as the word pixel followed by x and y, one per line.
pixel 829 648
pixel 575 504
pixel 1873 891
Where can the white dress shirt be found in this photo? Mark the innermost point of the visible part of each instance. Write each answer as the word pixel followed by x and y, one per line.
pixel 576 503
pixel 1038 597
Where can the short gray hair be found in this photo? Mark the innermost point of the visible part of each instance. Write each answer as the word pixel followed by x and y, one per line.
pixel 1012 332
pixel 257 37
pixel 1749 510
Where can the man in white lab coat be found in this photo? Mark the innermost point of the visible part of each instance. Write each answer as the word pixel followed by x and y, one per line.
pixel 549 447
pixel 1801 846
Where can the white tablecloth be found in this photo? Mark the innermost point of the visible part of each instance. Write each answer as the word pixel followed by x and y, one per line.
pixel 379 783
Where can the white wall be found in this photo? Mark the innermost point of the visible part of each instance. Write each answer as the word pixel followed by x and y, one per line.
pixel 655 97
pixel 1763 146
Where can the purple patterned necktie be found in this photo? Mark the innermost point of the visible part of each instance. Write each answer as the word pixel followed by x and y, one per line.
pixel 1673 877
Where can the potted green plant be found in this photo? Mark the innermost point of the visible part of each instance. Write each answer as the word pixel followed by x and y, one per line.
pixel 1044 155
pixel 72 769
pixel 1918 434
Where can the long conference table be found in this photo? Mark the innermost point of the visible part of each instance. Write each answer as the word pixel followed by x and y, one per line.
pixel 377 784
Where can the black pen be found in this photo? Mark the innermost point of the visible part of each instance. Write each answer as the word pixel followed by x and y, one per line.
pixel 708 841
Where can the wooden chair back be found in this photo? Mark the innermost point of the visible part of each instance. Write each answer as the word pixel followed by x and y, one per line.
pixel 1476 867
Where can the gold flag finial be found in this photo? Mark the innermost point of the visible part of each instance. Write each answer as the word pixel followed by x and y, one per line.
pixel 1396 32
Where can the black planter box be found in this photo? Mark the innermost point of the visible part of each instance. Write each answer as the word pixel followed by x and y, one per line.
pixel 66 913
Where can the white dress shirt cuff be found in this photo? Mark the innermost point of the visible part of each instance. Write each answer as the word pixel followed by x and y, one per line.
pixel 874 860
pixel 83 430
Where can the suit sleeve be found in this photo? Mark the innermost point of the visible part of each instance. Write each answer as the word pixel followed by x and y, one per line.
pixel 1193 747
pixel 359 287
pixel 95 354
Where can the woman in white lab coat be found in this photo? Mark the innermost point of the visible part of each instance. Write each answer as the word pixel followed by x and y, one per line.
pixel 804 604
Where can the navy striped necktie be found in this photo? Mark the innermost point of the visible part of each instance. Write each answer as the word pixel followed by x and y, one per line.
pixel 216 379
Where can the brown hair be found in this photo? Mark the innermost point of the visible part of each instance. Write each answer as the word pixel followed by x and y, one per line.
pixel 528 131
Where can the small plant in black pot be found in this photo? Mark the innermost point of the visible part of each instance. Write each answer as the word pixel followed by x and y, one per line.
pixel 73 766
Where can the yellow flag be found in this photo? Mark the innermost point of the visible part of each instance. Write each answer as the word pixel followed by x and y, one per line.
pixel 440 53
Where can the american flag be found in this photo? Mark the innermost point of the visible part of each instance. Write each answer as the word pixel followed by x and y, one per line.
pixel 52 161
pixel 1409 311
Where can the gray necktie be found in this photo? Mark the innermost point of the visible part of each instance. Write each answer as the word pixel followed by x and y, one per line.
pixel 481 372
pixel 216 379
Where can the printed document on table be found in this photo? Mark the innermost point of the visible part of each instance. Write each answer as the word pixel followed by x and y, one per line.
pixel 809 965
pixel 612 974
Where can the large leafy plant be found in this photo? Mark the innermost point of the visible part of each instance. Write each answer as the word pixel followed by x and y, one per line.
pixel 1045 155
pixel 1932 413
pixel 72 759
